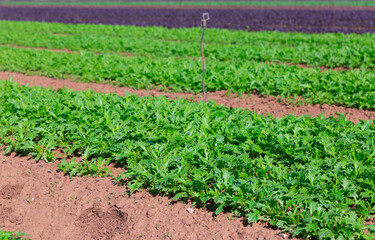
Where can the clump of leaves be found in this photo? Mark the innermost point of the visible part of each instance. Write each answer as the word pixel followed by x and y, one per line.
pixel 12 236
pixel 95 167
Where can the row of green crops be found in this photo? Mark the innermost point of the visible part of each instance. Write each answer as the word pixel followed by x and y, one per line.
pixel 186 34
pixel 349 88
pixel 312 177
pixel 11 235
pixel 194 3
pixel 331 50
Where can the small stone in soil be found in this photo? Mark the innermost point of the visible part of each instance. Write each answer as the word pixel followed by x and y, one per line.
pixel 190 210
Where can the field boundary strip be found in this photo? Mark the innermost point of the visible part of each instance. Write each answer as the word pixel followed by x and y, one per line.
pixel 261 104
pixel 197 3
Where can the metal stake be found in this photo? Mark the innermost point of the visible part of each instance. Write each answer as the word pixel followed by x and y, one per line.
pixel 205 18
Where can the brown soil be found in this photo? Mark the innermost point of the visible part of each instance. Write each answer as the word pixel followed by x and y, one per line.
pixel 260 104
pixel 39 48
pixel 37 199
pixel 322 68
pixel 126 54
pixel 123 54
pixel 371 8
pixel 62 34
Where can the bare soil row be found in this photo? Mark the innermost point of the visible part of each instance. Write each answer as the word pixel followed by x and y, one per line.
pixel 37 199
pixel 261 104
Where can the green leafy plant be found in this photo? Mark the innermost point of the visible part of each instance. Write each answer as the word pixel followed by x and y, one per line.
pixel 11 235
pixel 95 167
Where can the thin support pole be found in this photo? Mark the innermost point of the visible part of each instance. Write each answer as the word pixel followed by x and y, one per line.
pixel 205 18
pixel 203 28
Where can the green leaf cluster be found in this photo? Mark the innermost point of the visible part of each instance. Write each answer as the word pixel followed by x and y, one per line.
pixel 11 235
pixel 92 167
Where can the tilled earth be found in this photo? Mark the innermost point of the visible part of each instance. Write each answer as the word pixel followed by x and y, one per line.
pixel 261 104
pixel 46 204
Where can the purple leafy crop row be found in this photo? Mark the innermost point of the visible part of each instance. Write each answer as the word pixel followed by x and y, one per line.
pixel 285 20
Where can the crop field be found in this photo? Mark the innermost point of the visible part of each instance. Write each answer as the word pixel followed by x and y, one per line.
pixel 309 20
pixel 194 3
pixel 167 59
pixel 302 177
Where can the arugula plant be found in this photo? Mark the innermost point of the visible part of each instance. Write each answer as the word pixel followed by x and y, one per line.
pixel 343 88
pixel 312 177
pixel 12 236
pixel 313 49
pixel 317 52
pixel 93 167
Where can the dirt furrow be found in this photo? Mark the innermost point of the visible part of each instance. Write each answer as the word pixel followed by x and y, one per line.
pixel 123 54
pixel 38 48
pixel 130 54
pixel 37 199
pixel 261 104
